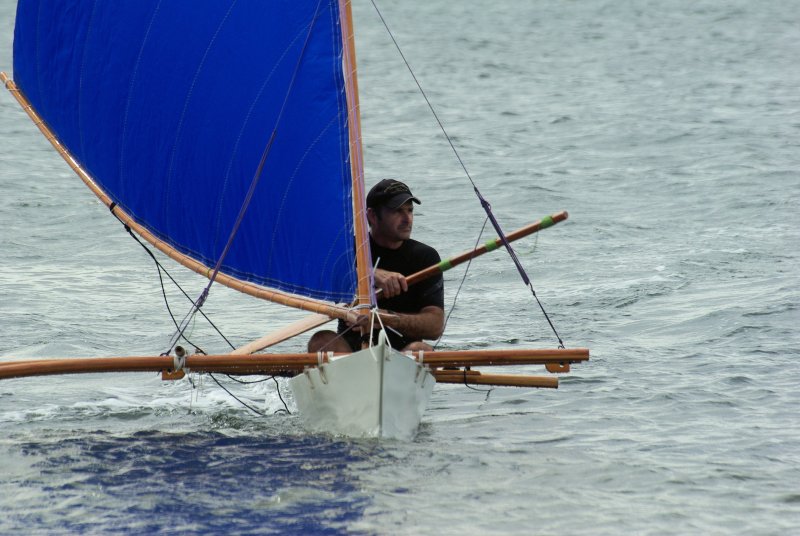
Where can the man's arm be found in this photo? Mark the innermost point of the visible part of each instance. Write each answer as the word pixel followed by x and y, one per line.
pixel 390 283
pixel 428 323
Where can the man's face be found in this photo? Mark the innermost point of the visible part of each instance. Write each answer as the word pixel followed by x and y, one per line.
pixel 392 226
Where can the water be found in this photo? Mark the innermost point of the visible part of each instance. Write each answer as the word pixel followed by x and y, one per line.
pixel 669 131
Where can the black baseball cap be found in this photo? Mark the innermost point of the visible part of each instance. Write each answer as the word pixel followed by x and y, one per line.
pixel 390 193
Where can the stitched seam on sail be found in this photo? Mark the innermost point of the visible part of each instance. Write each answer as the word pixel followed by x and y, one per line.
pixel 289 184
pixel 128 107
pixel 241 134
pixel 80 77
pixel 258 173
pixel 179 128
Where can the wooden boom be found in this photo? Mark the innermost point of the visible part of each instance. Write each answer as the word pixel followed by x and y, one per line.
pixel 279 364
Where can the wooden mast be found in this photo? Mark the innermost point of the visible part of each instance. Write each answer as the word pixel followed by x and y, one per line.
pixel 363 255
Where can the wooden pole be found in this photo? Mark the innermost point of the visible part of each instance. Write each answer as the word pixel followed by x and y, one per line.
pixel 511 356
pixel 504 380
pixel 363 255
pixel 491 245
pixel 287 332
pixel 165 364
pixel 276 363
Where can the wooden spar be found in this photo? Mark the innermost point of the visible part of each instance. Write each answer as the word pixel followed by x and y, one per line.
pixel 269 364
pixel 505 380
pixel 298 302
pixel 513 356
pixel 317 320
pixel 287 332
pixel 491 245
pixel 363 255
pixel 165 364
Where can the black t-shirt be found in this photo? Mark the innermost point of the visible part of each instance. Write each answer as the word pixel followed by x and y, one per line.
pixel 408 259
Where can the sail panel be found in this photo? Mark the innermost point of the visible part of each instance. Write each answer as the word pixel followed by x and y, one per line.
pixel 170 106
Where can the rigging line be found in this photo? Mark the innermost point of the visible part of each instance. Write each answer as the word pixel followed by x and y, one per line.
pixel 277 388
pixel 257 412
pixel 468 386
pixel 422 91
pixel 485 204
pixel 280 396
pixel 338 336
pixel 197 305
pixel 547 317
pixel 460 285
pixel 560 342
pixel 239 400
pixel 161 269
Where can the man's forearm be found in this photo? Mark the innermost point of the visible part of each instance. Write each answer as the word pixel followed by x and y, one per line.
pixel 427 324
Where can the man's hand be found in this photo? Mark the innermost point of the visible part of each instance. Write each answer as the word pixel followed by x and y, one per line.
pixel 390 283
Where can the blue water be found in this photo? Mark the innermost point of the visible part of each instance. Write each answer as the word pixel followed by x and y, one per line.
pixel 669 131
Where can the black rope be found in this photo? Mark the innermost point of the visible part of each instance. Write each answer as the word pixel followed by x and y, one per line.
pixel 468 386
pixel 262 380
pixel 280 396
pixel 239 400
pixel 160 268
pixel 560 342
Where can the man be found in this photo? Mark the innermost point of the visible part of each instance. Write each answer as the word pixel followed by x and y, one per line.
pixel 413 312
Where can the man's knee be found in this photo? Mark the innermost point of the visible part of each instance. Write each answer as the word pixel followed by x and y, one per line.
pixel 327 341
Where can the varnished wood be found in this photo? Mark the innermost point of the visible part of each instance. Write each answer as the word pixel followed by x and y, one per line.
pixel 269 364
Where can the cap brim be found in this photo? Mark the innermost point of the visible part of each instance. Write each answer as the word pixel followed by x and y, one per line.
pixel 400 200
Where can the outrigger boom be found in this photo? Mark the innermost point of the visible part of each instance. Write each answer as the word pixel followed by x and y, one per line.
pixel 557 360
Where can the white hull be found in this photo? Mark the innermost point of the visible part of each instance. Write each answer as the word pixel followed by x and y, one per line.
pixel 377 392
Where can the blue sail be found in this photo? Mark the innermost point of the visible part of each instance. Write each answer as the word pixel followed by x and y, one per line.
pixel 169 105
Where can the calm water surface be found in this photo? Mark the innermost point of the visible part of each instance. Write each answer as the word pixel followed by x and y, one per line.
pixel 669 130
